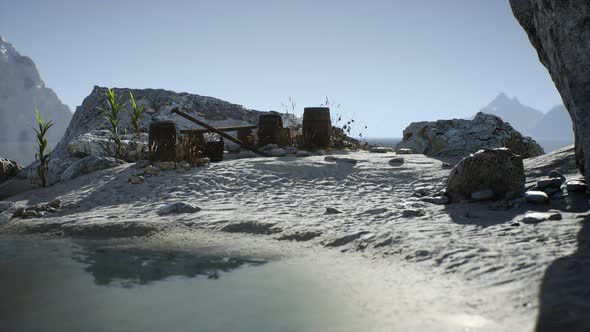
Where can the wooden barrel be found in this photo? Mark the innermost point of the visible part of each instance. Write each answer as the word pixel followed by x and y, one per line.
pixel 214 150
pixel 162 141
pixel 270 129
pixel 317 127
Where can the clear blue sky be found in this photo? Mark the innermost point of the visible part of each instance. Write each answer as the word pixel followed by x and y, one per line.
pixel 387 62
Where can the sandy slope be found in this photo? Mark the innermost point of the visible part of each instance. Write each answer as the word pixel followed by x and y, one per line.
pixel 495 261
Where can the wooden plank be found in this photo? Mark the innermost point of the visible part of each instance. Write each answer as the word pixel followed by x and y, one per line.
pixel 203 130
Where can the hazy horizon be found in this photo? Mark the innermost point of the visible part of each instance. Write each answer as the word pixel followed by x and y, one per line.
pixel 388 63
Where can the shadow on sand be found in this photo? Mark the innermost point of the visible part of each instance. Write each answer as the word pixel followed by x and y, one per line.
pixel 564 296
pixel 565 290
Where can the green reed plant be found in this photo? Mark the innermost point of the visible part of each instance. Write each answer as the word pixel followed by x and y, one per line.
pixel 111 113
pixel 135 114
pixel 42 147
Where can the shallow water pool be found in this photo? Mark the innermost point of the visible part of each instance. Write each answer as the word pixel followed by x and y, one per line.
pixel 89 285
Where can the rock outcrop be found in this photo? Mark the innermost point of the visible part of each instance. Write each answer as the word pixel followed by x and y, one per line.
pixel 100 143
pixel 460 137
pixel 560 32
pixel 21 92
pixel 158 104
pixel 8 169
pixel 496 170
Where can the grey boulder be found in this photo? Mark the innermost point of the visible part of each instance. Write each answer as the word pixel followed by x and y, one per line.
pixel 459 137
pixel 498 170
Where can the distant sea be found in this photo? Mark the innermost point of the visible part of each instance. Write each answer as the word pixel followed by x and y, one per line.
pixel 24 153
pixel 548 145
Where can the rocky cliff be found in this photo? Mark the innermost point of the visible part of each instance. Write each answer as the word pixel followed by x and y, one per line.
pixel 560 32
pixel 21 92
pixel 459 138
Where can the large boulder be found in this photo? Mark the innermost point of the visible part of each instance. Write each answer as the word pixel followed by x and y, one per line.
pixel 8 169
pixel 498 170
pixel 100 143
pixel 459 137
pixel 560 32
pixel 89 165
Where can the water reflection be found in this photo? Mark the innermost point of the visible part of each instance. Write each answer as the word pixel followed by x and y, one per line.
pixel 128 267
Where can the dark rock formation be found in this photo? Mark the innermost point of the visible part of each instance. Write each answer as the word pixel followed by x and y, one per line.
pixel 21 92
pixel 498 170
pixel 560 32
pixel 460 137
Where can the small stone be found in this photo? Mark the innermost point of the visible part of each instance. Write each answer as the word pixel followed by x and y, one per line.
pixel 30 214
pixel 151 170
pixel 422 191
pixel 291 150
pixel 396 161
pixel 556 174
pixel 483 195
pixel 330 210
pixel 404 151
pixel 347 161
pixel 301 153
pixel 549 183
pixel 269 147
pixel 330 158
pixel 320 152
pixel 56 204
pixel 439 200
pixel 535 196
pixel 380 149
pixel 5 206
pixel 575 186
pixel 50 209
pixel 166 165
pixel 142 164
pixel 178 207
pixel 412 213
pixel 205 161
pixel 278 152
pixel 537 217
pixel 136 179
pixel 183 165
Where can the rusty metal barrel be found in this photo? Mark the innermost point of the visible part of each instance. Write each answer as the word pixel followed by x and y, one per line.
pixel 162 141
pixel 317 127
pixel 270 129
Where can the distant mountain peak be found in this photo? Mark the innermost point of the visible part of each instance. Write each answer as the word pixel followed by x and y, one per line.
pixel 502 100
